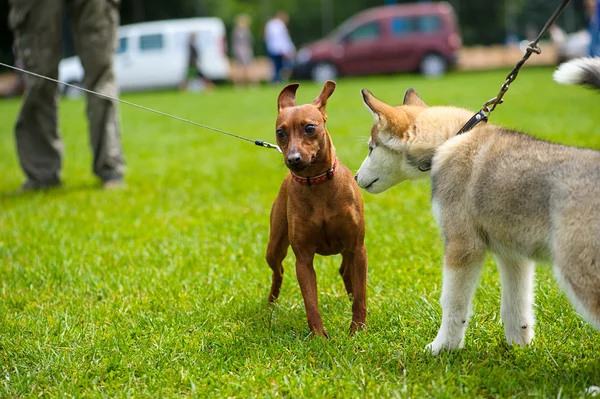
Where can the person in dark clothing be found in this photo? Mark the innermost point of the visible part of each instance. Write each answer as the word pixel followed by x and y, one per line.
pixel 37 27
pixel 279 44
pixel 193 72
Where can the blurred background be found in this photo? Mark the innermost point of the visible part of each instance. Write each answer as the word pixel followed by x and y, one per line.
pixel 332 38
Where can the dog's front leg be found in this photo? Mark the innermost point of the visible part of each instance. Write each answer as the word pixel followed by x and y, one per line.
pixel 307 279
pixel 278 245
pixel 517 298
pixel 461 274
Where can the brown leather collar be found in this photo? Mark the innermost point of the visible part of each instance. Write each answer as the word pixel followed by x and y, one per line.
pixel 328 175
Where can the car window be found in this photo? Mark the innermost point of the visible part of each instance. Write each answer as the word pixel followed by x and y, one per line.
pixel 424 24
pixel 429 23
pixel 369 31
pixel 402 26
pixel 151 42
pixel 122 45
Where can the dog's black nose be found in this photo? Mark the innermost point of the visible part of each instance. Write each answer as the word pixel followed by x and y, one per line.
pixel 356 177
pixel 294 159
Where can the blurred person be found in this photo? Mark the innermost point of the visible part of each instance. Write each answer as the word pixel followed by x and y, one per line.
pixel 279 44
pixel 242 45
pixel 193 72
pixel 593 12
pixel 37 28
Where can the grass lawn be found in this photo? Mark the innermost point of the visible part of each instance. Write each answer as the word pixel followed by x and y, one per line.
pixel 160 289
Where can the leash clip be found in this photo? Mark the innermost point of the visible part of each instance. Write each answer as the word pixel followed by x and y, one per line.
pixel 493 102
pixel 264 144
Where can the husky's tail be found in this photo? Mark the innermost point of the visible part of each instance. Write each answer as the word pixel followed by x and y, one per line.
pixel 580 71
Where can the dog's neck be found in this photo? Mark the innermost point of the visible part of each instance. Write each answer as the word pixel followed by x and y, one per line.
pixel 424 143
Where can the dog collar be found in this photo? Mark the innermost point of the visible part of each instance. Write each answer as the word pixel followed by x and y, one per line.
pixel 328 175
pixel 471 123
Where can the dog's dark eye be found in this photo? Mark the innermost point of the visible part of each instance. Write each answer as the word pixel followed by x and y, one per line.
pixel 280 133
pixel 370 150
pixel 310 129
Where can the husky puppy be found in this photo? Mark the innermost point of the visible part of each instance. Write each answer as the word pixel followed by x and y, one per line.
pixel 497 190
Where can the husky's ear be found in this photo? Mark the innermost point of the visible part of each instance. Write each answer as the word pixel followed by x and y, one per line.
pixel 321 101
pixel 411 97
pixel 287 97
pixel 385 114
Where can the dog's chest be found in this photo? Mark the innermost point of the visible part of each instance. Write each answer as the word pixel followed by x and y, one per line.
pixel 323 227
pixel 330 241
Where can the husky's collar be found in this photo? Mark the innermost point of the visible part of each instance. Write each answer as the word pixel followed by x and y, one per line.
pixel 328 175
pixel 471 123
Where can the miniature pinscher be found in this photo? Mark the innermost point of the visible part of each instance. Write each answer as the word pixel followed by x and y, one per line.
pixel 319 209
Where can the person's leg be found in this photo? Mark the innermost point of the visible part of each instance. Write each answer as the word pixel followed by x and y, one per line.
pixel 595 32
pixel 208 84
pixel 37 31
pixel 277 65
pixel 94 24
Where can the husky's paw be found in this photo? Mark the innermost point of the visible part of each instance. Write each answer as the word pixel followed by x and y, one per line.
pixel 437 346
pixel 522 335
pixel 593 391
pixel 433 349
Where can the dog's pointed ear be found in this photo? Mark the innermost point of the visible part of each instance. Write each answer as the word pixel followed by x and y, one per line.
pixel 388 117
pixel 411 97
pixel 287 97
pixel 321 101
pixel 378 108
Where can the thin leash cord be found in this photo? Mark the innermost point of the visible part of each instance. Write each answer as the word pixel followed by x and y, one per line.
pixel 531 48
pixel 259 143
pixel 490 105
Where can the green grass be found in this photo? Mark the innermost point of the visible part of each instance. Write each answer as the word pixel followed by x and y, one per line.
pixel 160 289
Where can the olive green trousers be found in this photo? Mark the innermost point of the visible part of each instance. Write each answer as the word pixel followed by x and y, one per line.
pixel 37 27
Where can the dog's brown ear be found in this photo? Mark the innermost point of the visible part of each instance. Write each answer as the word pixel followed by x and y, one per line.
pixel 287 97
pixel 411 97
pixel 321 100
pixel 388 117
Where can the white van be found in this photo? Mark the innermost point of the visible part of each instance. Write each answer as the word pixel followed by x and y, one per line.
pixel 155 54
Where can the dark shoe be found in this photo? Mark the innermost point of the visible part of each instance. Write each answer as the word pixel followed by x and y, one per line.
pixel 113 184
pixel 32 186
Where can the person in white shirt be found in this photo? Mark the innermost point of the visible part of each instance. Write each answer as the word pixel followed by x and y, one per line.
pixel 278 42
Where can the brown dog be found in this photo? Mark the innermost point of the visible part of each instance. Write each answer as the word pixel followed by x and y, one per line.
pixel 319 209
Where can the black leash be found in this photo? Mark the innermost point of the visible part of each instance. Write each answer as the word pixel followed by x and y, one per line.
pixel 259 143
pixel 533 47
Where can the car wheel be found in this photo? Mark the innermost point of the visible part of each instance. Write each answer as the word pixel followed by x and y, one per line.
pixel 433 65
pixel 72 92
pixel 324 71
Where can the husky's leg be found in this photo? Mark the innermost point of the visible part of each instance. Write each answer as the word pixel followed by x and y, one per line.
pixel 517 298
pixel 577 268
pixel 461 274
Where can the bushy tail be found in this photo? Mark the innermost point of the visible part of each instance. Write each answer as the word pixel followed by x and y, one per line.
pixel 580 71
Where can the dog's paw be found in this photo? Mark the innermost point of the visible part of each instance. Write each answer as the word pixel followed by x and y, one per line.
pixel 521 337
pixel 593 391
pixel 356 327
pixel 321 333
pixel 433 349
pixel 437 346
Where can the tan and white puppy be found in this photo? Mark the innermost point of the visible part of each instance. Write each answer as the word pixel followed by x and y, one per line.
pixel 496 190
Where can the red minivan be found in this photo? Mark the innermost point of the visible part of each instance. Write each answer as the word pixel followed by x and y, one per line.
pixel 396 38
